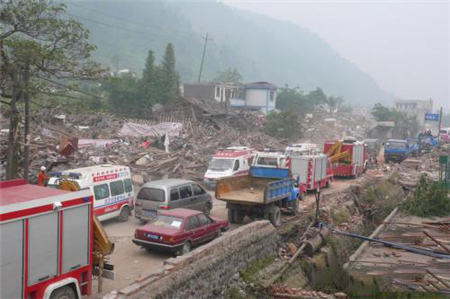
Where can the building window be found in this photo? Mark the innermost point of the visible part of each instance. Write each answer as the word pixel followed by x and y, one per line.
pixel 217 92
pixel 272 96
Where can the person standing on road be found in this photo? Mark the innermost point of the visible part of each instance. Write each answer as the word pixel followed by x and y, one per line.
pixel 42 177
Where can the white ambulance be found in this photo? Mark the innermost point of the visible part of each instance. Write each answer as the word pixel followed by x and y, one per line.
pixel 228 162
pixel 111 185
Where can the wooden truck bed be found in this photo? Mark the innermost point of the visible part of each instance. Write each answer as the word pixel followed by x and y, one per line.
pixel 250 190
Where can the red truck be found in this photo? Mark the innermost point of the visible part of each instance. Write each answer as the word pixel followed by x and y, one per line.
pixel 349 158
pixel 49 242
pixel 314 171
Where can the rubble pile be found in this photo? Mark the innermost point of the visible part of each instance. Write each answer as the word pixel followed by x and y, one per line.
pixel 412 169
pixel 283 291
pixel 324 126
pixel 78 140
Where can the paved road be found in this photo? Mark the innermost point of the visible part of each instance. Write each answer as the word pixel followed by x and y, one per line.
pixel 132 262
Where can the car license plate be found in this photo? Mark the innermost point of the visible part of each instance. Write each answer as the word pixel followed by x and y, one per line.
pixel 156 237
pixel 149 213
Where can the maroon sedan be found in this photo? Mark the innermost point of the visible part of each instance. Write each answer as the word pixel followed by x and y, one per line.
pixel 178 230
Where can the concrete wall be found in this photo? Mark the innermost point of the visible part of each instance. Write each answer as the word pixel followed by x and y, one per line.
pixel 208 270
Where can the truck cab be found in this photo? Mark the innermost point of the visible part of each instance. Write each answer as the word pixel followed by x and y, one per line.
pixel 228 162
pixel 396 150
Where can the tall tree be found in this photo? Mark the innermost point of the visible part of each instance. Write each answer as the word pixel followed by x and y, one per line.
pixel 284 124
pixel 170 82
pixel 38 46
pixel 124 95
pixel 149 83
pixel 317 96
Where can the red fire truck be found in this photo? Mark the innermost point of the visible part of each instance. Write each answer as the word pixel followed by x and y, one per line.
pixel 314 170
pixel 349 157
pixel 49 242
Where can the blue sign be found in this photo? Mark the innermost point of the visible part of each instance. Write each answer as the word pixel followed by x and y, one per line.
pixel 431 117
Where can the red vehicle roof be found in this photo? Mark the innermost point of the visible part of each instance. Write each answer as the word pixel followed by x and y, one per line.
pixel 19 191
pixel 182 213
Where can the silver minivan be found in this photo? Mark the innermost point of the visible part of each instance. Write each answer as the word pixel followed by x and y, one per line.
pixel 171 194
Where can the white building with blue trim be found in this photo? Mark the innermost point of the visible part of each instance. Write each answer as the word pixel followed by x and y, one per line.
pixel 253 96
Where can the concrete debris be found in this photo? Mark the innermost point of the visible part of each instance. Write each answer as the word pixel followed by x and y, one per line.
pixel 193 141
pixel 322 128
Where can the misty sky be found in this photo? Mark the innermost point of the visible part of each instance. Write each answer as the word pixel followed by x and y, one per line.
pixel 403 45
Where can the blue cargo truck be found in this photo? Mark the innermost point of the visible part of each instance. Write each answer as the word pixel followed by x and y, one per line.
pixel 397 150
pixel 259 195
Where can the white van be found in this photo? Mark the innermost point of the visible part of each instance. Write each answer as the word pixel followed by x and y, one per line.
pixel 111 185
pixel 228 162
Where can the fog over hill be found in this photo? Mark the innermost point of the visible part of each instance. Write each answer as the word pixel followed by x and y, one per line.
pixel 260 48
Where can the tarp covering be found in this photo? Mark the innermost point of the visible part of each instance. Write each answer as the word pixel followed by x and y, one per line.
pixel 96 142
pixel 138 130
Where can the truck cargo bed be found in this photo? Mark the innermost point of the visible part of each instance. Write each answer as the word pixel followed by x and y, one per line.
pixel 245 195
pixel 248 189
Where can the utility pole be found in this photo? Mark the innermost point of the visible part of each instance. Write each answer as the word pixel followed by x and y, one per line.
pixel 206 38
pixel 439 127
pixel 26 93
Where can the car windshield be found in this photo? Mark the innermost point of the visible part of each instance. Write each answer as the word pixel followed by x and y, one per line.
pixel 396 145
pixel 151 194
pixel 443 131
pixel 220 164
pixel 167 221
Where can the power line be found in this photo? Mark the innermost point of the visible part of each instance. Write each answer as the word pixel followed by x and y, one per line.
pixel 125 20
pixel 72 88
pixel 118 17
pixel 105 24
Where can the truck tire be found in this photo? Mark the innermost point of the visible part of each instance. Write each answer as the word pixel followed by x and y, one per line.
pixel 65 292
pixel 124 214
pixel 235 216
pixel 231 215
pixel 293 205
pixel 275 216
pixel 239 216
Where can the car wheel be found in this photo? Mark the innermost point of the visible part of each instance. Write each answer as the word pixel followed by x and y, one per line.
pixel 124 214
pixel 275 216
pixel 207 209
pixel 219 233
pixel 185 249
pixel 63 293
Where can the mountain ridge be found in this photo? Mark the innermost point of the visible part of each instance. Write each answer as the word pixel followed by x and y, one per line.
pixel 261 48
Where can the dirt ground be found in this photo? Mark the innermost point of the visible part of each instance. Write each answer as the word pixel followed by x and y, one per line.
pixel 131 262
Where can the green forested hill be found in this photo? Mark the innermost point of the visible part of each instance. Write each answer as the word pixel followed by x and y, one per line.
pixel 262 49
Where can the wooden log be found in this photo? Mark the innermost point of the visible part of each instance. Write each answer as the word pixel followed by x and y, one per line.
pixel 437 241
